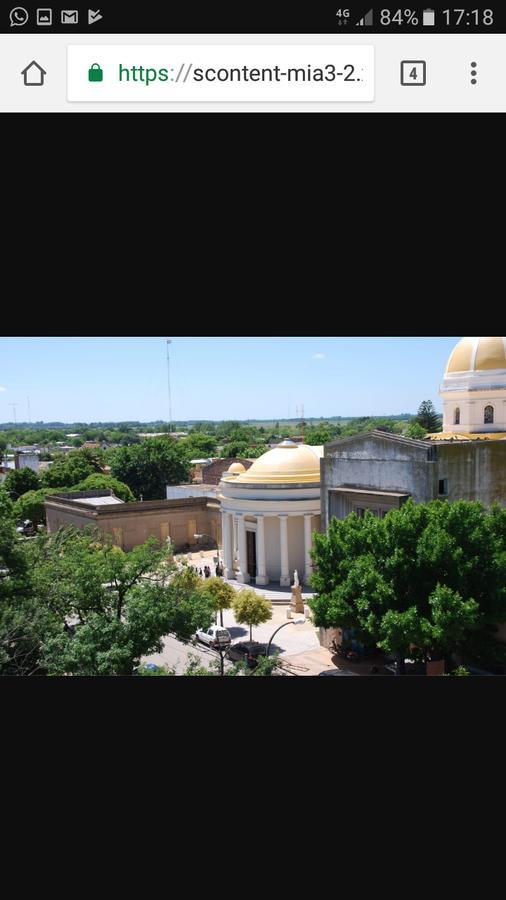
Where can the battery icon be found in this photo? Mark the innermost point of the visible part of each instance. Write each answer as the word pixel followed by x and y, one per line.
pixel 429 17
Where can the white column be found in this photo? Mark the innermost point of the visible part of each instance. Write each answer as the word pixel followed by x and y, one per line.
pixel 261 578
pixel 226 523
pixel 243 575
pixel 285 580
pixel 308 541
pixel 235 551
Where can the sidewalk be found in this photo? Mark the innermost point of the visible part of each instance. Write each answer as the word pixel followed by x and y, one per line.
pixel 312 662
pixel 276 594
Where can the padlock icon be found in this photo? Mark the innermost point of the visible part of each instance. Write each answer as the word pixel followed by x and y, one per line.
pixel 95 73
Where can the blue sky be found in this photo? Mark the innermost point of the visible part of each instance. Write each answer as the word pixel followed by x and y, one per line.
pixel 118 378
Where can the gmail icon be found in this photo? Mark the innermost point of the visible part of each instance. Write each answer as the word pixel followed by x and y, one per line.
pixel 69 16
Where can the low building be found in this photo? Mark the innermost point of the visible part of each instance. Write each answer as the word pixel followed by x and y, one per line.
pixel 27 459
pixel 131 524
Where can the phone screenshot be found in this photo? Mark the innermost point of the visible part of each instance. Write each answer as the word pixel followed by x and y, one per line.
pixel 318 56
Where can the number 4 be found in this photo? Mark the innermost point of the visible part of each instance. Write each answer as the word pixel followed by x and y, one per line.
pixel 414 73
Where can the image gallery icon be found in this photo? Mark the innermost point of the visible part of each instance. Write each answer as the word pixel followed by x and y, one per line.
pixel 69 16
pixel 44 17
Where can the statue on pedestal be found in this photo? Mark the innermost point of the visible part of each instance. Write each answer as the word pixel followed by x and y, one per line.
pixel 297 603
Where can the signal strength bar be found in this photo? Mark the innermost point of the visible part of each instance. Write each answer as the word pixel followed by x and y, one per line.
pixel 367 21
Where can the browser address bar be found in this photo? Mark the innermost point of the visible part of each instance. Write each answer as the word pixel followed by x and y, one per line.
pixel 172 73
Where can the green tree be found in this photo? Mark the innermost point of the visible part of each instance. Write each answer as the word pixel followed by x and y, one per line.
pixel 20 481
pixel 322 434
pixel 32 506
pixel 220 593
pixel 428 418
pixel 416 431
pixel 147 468
pixel 68 471
pixel 251 609
pixel 24 623
pixel 255 452
pixel 235 449
pixel 113 608
pixel 428 576
pixel 99 482
pixel 199 445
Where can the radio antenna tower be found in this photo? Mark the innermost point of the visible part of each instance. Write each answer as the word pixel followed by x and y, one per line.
pixel 13 407
pixel 169 344
pixel 28 406
pixel 302 424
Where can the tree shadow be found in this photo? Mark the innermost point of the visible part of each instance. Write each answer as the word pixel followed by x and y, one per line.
pixel 235 631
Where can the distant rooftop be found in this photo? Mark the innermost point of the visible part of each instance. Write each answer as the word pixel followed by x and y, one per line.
pixel 157 434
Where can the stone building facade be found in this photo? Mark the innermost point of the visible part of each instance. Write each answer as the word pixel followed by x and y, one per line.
pixel 130 524
pixel 380 471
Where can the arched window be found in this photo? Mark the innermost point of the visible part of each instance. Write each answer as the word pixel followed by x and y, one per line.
pixel 456 418
pixel 489 415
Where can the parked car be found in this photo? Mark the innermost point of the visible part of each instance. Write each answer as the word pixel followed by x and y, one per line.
pixel 247 652
pixel 215 637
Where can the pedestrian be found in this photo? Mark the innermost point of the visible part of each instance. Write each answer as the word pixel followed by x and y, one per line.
pixel 208 572
pixel 200 573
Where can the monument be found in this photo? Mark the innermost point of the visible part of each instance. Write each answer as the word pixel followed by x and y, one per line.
pixel 297 603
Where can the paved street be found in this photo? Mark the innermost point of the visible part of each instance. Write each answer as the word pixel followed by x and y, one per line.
pixel 297 644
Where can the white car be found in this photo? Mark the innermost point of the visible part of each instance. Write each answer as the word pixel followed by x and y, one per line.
pixel 216 637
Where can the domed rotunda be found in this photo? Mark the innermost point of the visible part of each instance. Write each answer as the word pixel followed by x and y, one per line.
pixel 269 514
pixel 474 389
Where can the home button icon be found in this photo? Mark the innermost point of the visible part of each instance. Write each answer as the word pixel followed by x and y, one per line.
pixel 33 75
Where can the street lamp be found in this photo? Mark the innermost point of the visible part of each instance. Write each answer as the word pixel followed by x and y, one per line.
pixel 285 624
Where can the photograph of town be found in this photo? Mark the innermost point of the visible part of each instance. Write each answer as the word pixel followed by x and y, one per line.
pixel 253 507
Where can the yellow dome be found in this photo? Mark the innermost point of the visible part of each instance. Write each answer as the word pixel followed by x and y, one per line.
pixel 236 469
pixel 287 464
pixel 478 354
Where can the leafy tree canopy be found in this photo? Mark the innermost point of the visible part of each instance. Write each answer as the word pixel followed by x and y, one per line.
pixel 31 506
pixel 236 449
pixel 251 609
pixel 69 470
pixel 220 593
pixel 427 576
pixel 416 431
pixel 322 434
pixel 147 468
pixel 113 607
pixel 199 445
pixel 100 482
pixel 24 623
pixel 19 481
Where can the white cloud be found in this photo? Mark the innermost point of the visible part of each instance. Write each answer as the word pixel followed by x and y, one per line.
pixel 2 388
pixel 319 356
